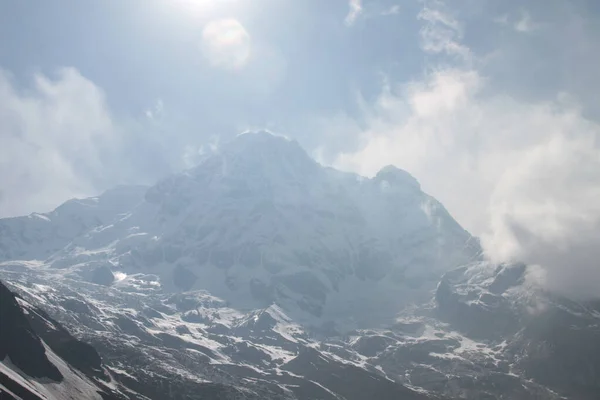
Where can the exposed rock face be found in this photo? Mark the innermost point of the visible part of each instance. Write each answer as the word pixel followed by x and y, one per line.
pixel 19 342
pixel 38 357
pixel 480 311
pixel 102 276
pixel 560 347
pixel 547 338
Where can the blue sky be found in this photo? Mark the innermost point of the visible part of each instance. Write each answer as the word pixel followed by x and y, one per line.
pixel 494 105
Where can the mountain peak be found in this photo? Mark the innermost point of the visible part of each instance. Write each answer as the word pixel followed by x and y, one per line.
pixel 269 153
pixel 264 141
pixel 396 176
pixel 261 135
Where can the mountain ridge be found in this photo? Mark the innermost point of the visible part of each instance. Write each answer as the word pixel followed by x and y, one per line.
pixel 260 274
pixel 259 222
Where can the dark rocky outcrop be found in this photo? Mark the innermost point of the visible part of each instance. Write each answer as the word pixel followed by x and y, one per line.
pixel 19 341
pixel 347 380
pixel 25 331
pixel 553 341
pixel 78 354
pixel 481 313
pixel 102 276
pixel 560 348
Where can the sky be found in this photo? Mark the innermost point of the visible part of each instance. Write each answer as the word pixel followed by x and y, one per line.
pixel 493 105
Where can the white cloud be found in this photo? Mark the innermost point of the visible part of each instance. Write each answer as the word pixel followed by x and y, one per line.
pixel 53 137
pixel 156 111
pixel 226 44
pixel 524 175
pixel 355 9
pixel 59 140
pixel 525 24
pixel 441 32
pixel 193 155
pixel 393 10
pixel 545 211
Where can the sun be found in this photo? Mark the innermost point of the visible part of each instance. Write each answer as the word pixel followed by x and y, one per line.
pixel 200 6
pixel 195 5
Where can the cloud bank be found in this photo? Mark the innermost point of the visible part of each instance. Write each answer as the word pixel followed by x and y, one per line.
pixel 59 140
pixel 524 175
pixel 54 137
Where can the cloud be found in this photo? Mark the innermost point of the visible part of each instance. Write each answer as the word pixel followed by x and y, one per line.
pixel 525 175
pixel 525 24
pixel 156 111
pixel 59 140
pixel 393 10
pixel 53 137
pixel 193 155
pixel 544 209
pixel 441 32
pixel 226 44
pixel 355 9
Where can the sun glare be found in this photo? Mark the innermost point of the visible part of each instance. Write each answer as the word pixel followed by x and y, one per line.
pixel 200 7
pixel 226 44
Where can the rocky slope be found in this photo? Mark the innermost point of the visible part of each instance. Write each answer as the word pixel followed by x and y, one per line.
pixel 260 274
pixel 40 360
pixel 550 339
pixel 193 346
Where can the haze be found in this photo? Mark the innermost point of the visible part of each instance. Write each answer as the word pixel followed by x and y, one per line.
pixel 493 106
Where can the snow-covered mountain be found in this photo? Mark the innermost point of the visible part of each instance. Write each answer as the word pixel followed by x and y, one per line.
pixel 260 274
pixel 260 222
pixel 37 236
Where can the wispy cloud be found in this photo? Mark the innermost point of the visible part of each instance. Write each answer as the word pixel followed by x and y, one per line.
pixel 393 10
pixel 525 23
pixel 156 111
pixel 355 9
pixel 53 140
pixel 441 31
pixel 59 140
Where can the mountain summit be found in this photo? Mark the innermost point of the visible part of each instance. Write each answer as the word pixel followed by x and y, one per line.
pixel 259 222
